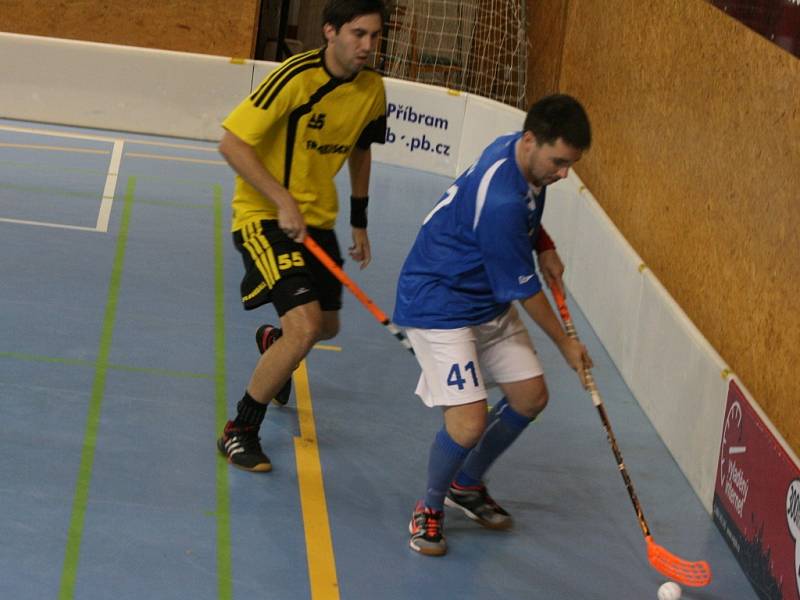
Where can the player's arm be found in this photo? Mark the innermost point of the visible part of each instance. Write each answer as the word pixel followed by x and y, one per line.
pixel 550 264
pixel 503 237
pixel 359 164
pixel 243 159
pixel 574 352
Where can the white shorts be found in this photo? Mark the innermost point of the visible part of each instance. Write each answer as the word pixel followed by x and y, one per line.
pixel 453 360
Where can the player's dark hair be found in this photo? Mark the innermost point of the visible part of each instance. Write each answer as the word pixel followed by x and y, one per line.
pixel 339 12
pixel 559 116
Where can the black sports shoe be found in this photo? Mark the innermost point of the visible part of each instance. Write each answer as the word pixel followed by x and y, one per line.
pixel 265 337
pixel 426 529
pixel 241 447
pixel 478 505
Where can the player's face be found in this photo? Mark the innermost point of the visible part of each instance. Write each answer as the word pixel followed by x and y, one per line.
pixel 349 49
pixel 546 163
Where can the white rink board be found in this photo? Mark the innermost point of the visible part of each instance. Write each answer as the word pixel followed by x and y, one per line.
pixel 118 87
pixel 681 384
pixel 485 120
pixel 260 70
pixel 607 272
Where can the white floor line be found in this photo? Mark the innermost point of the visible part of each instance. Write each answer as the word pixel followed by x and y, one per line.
pixel 111 185
pixel 82 136
pixel 46 224
pixel 53 133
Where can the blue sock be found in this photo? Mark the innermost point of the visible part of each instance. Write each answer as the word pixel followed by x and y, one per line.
pixel 444 460
pixel 504 426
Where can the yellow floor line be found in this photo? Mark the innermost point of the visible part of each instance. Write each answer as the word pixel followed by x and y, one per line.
pixel 327 347
pixel 319 546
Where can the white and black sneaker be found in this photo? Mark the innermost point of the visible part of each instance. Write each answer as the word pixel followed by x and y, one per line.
pixel 266 335
pixel 241 446
pixel 478 505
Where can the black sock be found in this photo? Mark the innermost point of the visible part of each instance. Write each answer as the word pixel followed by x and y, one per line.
pixel 249 413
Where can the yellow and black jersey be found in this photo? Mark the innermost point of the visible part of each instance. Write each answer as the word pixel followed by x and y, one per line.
pixel 303 123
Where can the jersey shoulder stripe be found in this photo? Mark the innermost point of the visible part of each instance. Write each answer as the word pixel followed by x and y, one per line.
pixel 277 80
pixel 483 189
pixel 281 69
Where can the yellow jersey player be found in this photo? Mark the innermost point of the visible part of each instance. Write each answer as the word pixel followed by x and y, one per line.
pixel 286 141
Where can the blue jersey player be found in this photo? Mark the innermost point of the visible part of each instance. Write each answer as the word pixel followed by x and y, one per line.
pixel 473 257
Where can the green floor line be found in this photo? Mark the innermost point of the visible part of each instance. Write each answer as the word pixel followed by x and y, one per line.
pixel 80 501
pixel 77 362
pixel 47 359
pixel 224 561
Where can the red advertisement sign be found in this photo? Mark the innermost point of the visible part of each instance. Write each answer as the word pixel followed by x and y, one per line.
pixel 757 501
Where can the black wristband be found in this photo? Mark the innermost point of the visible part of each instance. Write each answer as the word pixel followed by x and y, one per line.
pixel 358 211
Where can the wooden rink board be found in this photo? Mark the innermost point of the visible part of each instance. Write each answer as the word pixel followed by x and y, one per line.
pixel 695 158
pixel 218 27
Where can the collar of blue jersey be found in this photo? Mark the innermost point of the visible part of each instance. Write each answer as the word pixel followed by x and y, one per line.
pixel 526 189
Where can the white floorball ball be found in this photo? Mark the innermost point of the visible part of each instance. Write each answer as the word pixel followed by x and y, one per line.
pixel 669 591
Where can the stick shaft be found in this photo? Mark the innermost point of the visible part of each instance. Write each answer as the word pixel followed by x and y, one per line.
pixel 598 402
pixel 373 308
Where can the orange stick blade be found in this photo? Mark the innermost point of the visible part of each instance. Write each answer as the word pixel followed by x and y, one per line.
pixel 693 574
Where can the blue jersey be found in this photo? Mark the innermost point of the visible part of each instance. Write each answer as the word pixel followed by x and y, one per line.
pixel 473 254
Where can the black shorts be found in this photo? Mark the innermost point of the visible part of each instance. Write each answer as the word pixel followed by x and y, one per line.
pixel 279 270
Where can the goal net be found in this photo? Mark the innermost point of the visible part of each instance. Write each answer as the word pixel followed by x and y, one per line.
pixel 476 46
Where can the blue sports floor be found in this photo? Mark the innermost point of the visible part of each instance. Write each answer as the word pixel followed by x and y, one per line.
pixel 123 349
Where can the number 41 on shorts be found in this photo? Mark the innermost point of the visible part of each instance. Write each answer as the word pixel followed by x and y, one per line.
pixel 455 378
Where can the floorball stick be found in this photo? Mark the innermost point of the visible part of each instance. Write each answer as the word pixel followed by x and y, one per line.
pixel 337 272
pixel 689 573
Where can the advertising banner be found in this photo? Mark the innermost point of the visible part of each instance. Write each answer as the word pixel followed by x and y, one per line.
pixel 423 127
pixel 757 501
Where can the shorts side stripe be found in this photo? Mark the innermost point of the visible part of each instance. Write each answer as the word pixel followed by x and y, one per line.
pixel 261 252
pixel 266 256
pixel 264 265
pixel 257 259
pixel 273 264
pixel 255 248
pixel 257 238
